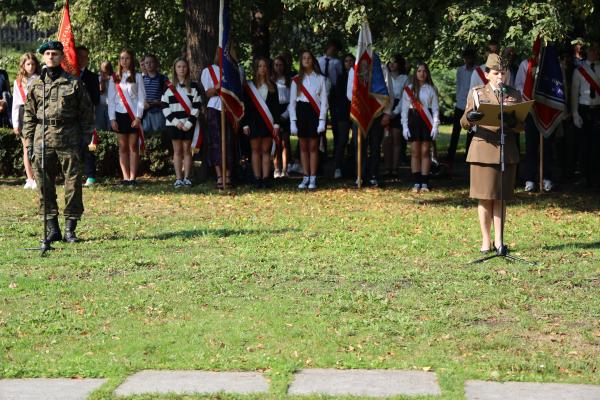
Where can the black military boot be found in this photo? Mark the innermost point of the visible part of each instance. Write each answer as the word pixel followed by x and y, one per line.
pixel 53 231
pixel 70 226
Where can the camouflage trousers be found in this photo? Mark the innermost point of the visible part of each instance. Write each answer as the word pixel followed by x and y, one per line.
pixel 69 162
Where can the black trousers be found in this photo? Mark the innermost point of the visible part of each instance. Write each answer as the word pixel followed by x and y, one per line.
pixel 456 129
pixel 372 143
pixel 590 137
pixel 532 152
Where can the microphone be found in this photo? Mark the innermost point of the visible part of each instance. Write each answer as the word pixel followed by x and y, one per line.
pixel 44 72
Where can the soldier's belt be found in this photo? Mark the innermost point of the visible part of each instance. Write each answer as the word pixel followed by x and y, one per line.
pixel 54 121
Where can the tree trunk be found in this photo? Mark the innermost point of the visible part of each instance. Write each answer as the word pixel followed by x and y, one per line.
pixel 202 31
pixel 259 32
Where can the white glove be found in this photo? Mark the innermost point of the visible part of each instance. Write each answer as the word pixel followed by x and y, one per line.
pixel 293 128
pixel 577 120
pixel 321 127
pixel 246 130
pixel 406 133
pixel 434 132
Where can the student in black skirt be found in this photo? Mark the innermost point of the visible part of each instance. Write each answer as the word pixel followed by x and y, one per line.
pixel 180 125
pixel 254 125
pixel 305 121
pixel 282 78
pixel 414 127
pixel 132 85
pixel 394 147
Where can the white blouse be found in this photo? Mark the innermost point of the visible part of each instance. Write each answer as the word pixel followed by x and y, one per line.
pixel 136 92
pixel 283 91
pixel 316 86
pixel 428 97
pixel 207 83
pixel 18 100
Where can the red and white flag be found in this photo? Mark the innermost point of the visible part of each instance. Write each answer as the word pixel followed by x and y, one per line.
pixel 66 37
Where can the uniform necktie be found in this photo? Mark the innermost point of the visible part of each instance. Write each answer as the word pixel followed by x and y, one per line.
pixel 327 67
pixel 592 91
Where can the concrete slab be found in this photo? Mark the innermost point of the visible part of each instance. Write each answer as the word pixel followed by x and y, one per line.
pixel 48 389
pixel 373 383
pixel 190 382
pixel 481 390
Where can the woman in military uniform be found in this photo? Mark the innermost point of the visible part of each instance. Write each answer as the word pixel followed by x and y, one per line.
pixel 484 152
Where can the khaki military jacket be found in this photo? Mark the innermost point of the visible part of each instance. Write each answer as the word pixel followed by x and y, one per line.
pixel 69 113
pixel 485 147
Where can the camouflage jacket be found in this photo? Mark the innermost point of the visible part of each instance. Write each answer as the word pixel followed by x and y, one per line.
pixel 69 113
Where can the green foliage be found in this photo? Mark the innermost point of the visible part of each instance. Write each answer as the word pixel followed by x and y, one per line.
pixel 156 160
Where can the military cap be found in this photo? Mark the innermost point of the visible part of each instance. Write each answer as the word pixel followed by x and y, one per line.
pixel 494 62
pixel 578 40
pixel 50 45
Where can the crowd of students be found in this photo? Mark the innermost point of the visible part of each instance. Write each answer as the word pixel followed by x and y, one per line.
pixel 280 102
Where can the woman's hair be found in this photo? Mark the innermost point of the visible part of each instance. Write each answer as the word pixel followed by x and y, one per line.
pixel 267 78
pixel 120 71
pixel 24 58
pixel 187 81
pixel 108 66
pixel 302 71
pixel 416 86
pixel 401 61
pixel 348 55
pixel 286 70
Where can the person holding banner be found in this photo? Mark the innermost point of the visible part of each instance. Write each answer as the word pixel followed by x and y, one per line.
pixel 261 120
pixel 585 106
pixel 420 124
pixel 282 78
pixel 308 112
pixel 29 70
pixel 484 152
pixel 126 98
pixel 181 104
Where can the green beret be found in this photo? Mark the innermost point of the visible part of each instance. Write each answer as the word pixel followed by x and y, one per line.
pixel 50 45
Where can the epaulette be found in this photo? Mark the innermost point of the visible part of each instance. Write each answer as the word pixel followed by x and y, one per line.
pixel 477 87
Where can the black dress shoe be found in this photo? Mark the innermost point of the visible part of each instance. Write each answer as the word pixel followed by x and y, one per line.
pixel 53 231
pixel 70 226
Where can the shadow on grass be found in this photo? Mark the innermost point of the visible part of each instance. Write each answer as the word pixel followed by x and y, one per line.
pixel 221 233
pixel 578 245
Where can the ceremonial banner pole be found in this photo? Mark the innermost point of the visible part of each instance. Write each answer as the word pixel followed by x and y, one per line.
pixel 223 137
pixel 359 157
pixel 541 162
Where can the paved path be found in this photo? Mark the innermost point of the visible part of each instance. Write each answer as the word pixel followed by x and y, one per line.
pixel 48 389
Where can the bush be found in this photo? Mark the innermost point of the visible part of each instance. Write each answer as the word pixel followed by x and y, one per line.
pixel 155 161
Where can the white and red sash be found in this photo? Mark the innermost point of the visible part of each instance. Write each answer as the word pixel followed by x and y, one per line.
pixel 126 103
pixel 216 82
pixel 423 112
pixel 95 140
pixel 263 109
pixel 213 76
pixel 198 133
pixel 308 96
pixel 588 75
pixel 481 75
pixel 21 91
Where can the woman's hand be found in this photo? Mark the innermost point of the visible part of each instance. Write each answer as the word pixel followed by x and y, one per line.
pixel 246 130
pixel 17 131
pixel 136 123
pixel 181 126
pixel 114 126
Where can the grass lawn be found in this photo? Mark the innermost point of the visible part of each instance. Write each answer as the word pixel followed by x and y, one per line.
pixel 278 280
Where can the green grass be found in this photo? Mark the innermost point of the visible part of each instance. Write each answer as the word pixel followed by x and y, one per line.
pixel 277 281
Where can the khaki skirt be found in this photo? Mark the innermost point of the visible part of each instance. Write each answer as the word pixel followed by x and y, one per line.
pixel 485 181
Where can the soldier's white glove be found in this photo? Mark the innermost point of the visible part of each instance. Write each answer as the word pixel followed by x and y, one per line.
pixel 293 128
pixel 406 133
pixel 577 120
pixel 321 127
pixel 434 132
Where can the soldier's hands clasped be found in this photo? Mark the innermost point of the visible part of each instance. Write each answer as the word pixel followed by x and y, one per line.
pixel 474 116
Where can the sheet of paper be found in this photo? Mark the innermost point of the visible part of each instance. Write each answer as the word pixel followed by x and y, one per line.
pixel 492 112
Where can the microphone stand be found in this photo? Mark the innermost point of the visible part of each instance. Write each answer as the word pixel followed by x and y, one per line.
pixel 45 244
pixel 502 251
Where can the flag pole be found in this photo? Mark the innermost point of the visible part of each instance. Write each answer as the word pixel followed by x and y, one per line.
pixel 223 146
pixel 541 162
pixel 359 157
pixel 223 138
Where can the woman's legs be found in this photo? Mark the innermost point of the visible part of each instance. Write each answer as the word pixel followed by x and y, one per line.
pixel 124 154
pixel 415 161
pixel 425 162
pixel 265 146
pixel 305 155
pixel 255 144
pixel 188 161
pixel 313 148
pixel 27 163
pixel 178 158
pixel 485 210
pixel 498 239
pixel 134 156
pixel 396 148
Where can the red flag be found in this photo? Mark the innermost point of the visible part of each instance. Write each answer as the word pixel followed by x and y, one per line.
pixel 531 66
pixel 66 37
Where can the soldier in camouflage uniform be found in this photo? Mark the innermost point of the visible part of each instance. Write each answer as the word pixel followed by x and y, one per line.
pixel 69 122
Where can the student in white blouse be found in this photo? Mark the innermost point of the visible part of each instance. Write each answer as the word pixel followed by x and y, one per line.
pixel 281 77
pixel 415 128
pixel 132 86
pixel 394 146
pixel 305 121
pixel 29 70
